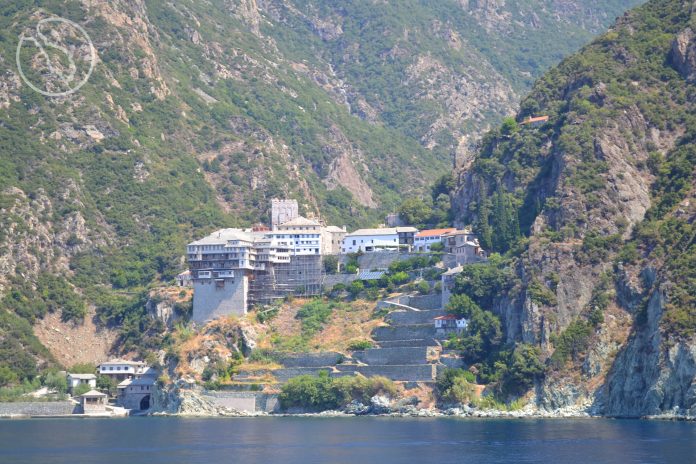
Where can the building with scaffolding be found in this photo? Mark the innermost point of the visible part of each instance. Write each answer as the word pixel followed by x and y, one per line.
pixel 233 269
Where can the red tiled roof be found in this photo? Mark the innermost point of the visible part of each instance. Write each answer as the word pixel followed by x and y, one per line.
pixel 448 317
pixel 434 232
pixel 536 119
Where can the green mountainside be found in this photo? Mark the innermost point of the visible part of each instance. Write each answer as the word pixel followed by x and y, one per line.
pixel 198 113
pixel 594 212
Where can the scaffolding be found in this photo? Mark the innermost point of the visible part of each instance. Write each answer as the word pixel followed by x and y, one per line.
pixel 301 276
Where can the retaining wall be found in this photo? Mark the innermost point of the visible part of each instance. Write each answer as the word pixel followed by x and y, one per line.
pixel 406 317
pixel 283 375
pixel 333 279
pixel 411 373
pixel 308 359
pixel 404 332
pixel 397 356
pixel 425 302
pixel 421 342
pixel 244 401
pixel 52 408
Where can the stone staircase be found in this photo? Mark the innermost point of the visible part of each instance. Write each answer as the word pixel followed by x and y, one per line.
pixel 408 349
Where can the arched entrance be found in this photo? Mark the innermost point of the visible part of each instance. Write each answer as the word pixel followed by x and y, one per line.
pixel 145 403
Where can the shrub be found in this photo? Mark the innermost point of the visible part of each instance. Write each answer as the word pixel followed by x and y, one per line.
pixel 455 385
pixel 314 315
pixel 330 264
pixel 81 389
pixel 320 393
pixel 359 345
pixel 423 287
pixel 437 247
pixel 571 343
pixel 399 278
pixel 355 288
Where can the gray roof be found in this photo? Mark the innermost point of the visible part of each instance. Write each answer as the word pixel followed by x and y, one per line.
pixel 82 376
pixel 299 221
pixel 147 380
pixel 93 394
pixel 222 236
pixel 371 275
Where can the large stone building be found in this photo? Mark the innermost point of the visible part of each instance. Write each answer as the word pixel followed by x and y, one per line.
pixel 283 210
pixel 233 268
pixel 332 239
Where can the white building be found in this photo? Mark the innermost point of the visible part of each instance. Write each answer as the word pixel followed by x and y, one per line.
pixel 425 238
pixel 370 240
pixel 450 324
pixel 75 380
pixel 300 236
pixel 120 369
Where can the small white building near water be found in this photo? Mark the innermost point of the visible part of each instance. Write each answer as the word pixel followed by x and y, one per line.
pixel 75 380
pixel 93 402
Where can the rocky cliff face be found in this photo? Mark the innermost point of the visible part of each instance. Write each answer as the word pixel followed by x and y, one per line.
pixel 608 214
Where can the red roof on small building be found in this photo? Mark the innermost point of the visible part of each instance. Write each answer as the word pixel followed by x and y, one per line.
pixel 448 317
pixel 435 232
pixel 535 119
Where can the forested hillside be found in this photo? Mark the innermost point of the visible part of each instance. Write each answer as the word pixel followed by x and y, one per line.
pixel 594 212
pixel 198 113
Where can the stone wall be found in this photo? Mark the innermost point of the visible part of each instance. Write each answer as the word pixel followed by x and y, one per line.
pixel 406 317
pixel 425 302
pixel 52 408
pixel 411 373
pixel 283 375
pixel 397 356
pixel 211 302
pixel 309 359
pixel 345 279
pixel 244 401
pixel 404 332
pixel 382 260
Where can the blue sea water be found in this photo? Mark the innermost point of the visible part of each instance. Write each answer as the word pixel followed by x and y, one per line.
pixel 365 440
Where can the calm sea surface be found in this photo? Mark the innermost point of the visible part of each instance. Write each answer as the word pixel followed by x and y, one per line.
pixel 344 440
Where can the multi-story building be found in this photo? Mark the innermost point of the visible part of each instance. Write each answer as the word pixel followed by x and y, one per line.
pixel 221 265
pixel 234 268
pixel 425 238
pixel 120 369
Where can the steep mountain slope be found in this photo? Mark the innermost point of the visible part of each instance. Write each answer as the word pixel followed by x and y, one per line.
pixel 197 113
pixel 603 196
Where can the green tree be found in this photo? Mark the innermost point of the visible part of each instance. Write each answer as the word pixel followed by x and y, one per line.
pixel 7 376
pixel 414 211
pixel 355 288
pixel 56 381
pixel 330 264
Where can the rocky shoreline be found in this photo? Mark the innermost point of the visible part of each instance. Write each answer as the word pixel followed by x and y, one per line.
pixel 190 404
